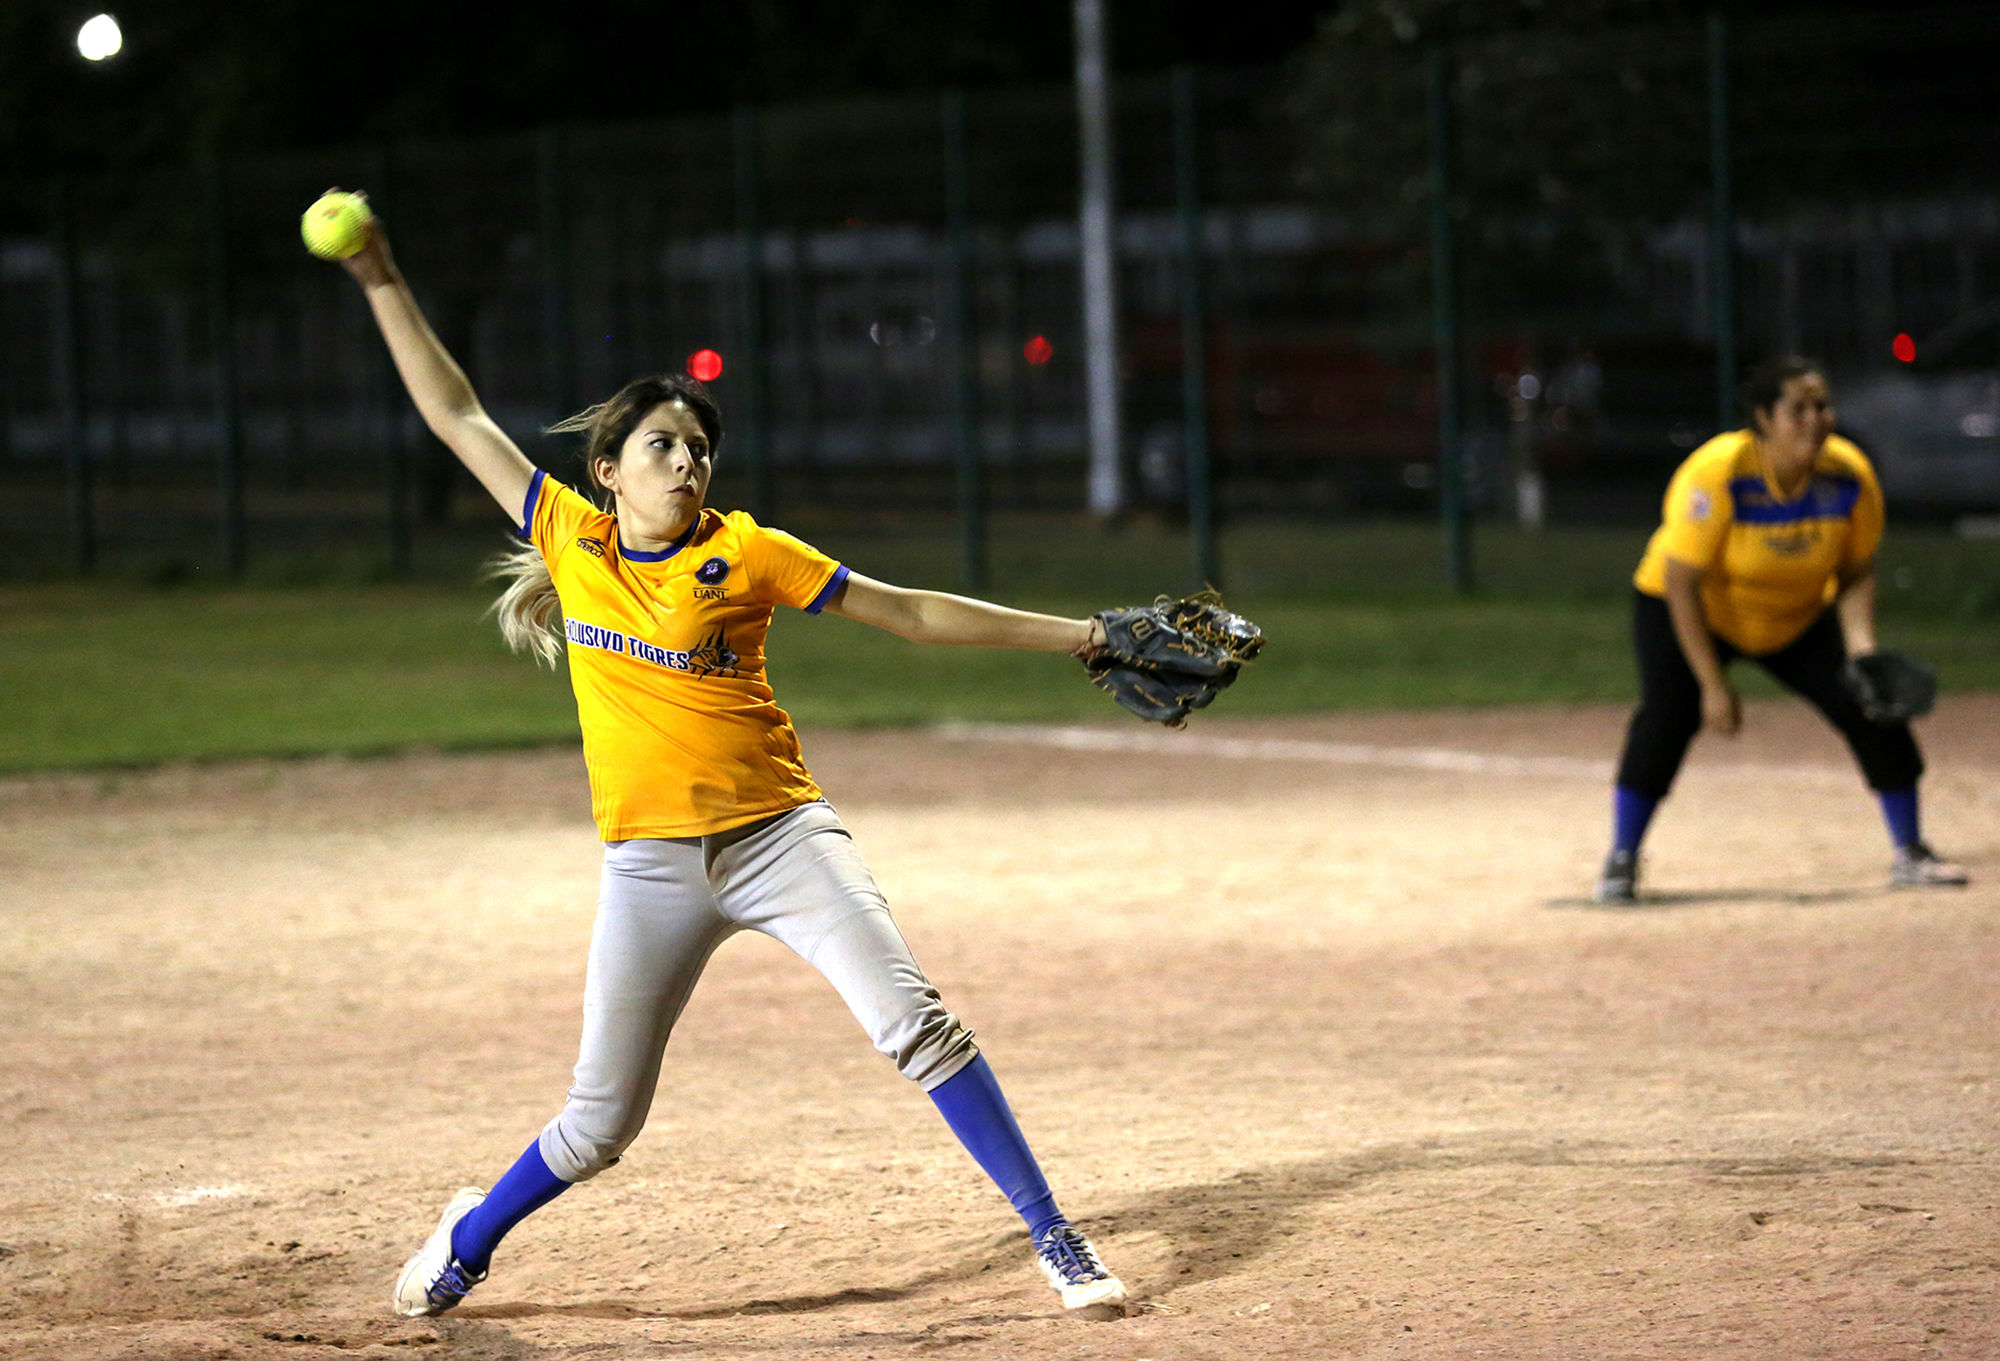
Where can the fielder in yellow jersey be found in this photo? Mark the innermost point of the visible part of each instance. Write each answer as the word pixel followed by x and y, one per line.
pixel 1769 565
pixel 1766 549
pixel 711 822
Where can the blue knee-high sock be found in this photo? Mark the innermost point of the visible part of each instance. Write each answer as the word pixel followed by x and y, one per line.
pixel 972 1104
pixel 1631 812
pixel 1899 810
pixel 526 1188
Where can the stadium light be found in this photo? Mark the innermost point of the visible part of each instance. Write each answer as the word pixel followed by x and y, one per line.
pixel 100 38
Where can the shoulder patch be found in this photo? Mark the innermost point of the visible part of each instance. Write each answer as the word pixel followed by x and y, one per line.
pixel 1699 504
pixel 590 546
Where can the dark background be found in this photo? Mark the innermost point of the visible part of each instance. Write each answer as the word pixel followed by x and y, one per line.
pixel 586 191
pixel 203 75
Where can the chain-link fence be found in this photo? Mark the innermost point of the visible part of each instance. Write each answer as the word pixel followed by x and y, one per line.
pixel 1631 216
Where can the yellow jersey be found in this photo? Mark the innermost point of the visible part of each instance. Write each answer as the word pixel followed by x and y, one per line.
pixel 682 735
pixel 1770 564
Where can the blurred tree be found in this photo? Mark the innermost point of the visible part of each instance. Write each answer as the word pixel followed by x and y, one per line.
pixel 1595 107
pixel 1577 125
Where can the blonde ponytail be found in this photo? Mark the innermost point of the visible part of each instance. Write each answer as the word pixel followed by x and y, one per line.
pixel 528 610
pixel 530 614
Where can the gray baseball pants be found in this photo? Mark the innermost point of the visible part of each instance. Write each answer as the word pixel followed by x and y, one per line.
pixel 667 904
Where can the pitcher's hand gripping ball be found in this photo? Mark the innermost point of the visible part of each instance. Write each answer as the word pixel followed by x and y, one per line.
pixel 1890 687
pixel 1165 660
pixel 336 226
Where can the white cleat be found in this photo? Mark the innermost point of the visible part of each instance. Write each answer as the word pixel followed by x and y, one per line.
pixel 433 1280
pixel 1071 1265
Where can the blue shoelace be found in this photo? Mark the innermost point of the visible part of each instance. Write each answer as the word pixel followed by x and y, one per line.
pixel 450 1287
pixel 1070 1254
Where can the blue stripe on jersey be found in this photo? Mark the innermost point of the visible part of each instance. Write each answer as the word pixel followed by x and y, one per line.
pixel 1825 498
pixel 833 583
pixel 631 555
pixel 527 530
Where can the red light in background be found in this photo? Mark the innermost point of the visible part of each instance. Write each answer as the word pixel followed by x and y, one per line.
pixel 1038 351
pixel 1904 349
pixel 705 365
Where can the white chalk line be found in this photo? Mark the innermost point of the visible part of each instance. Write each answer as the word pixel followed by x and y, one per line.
pixel 180 1197
pixel 1446 760
pixel 183 1196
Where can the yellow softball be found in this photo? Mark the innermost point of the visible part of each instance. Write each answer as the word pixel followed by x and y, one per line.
pixel 336 226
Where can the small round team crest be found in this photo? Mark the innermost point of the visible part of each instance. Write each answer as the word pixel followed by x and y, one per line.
pixel 712 572
pixel 1698 504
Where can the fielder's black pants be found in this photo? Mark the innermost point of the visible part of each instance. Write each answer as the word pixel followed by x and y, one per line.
pixel 1669 712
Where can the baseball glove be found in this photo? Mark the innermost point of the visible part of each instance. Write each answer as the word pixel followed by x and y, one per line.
pixel 1165 660
pixel 1890 687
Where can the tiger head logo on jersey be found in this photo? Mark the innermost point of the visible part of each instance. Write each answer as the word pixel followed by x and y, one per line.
pixel 712 657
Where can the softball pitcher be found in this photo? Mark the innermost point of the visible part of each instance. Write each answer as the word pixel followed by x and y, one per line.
pixel 711 822
pixel 1767 551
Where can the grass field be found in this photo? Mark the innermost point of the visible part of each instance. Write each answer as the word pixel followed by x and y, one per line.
pixel 120 673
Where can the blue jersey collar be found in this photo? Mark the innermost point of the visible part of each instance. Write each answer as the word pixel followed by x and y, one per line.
pixel 633 555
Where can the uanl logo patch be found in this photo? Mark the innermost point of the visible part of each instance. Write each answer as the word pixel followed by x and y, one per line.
pixel 710 575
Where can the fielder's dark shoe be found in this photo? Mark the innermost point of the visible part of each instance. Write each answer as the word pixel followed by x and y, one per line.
pixel 1918 866
pixel 1618 881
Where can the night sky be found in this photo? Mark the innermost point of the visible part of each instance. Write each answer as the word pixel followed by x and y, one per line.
pixel 246 75
pixel 258 74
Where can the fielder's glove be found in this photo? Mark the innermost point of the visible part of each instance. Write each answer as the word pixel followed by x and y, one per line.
pixel 1165 660
pixel 1890 687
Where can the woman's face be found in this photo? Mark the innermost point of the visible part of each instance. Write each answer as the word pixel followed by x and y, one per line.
pixel 661 476
pixel 1795 426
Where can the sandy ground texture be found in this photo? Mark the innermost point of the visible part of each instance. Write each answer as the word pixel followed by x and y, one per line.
pixel 1311 1023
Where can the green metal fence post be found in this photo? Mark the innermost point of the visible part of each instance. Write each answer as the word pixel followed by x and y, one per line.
pixel 1195 467
pixel 1721 224
pixel 962 349
pixel 68 317
pixel 227 395
pixel 752 409
pixel 559 344
pixel 1444 322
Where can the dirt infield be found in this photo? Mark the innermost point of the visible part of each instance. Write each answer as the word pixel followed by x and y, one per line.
pixel 1309 1022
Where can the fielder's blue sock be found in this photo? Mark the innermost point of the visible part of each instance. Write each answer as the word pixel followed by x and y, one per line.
pixel 1631 812
pixel 526 1188
pixel 1899 810
pixel 972 1104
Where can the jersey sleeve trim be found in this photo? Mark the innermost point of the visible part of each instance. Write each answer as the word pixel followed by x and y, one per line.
pixel 826 592
pixel 527 528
